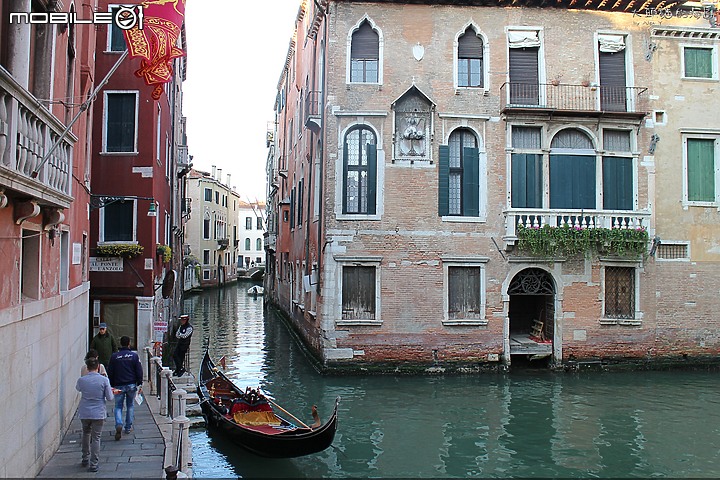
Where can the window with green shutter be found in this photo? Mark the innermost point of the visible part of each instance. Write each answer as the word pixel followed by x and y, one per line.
pixel 698 62
pixel 526 168
pixel 359 171
pixel 120 128
pixel 572 170
pixel 617 171
pixel 459 175
pixel 701 169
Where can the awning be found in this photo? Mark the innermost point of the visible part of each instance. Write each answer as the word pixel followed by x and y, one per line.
pixel 523 38
pixel 611 43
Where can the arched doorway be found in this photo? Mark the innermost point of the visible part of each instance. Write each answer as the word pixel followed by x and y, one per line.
pixel 531 316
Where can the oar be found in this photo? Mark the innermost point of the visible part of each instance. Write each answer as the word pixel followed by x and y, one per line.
pixel 287 413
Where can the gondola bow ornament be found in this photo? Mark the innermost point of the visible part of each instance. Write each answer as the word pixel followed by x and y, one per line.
pixel 156 42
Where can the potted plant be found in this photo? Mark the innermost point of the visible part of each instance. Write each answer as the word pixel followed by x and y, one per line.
pixel 165 252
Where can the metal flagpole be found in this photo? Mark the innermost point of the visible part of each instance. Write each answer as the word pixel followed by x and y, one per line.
pixel 83 107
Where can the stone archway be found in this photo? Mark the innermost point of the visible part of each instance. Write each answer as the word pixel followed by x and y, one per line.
pixel 531 315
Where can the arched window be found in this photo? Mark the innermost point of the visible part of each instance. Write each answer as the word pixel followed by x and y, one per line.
pixel 359 171
pixel 459 162
pixel 365 54
pixel 247 244
pixel 470 59
pixel 258 244
pixel 573 182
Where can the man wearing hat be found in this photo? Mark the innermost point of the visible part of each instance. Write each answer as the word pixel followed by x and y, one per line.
pixel 182 335
pixel 105 344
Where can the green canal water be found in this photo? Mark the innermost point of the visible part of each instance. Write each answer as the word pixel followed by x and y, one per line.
pixel 531 424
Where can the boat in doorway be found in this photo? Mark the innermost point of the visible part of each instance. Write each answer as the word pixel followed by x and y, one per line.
pixel 256 422
pixel 256 290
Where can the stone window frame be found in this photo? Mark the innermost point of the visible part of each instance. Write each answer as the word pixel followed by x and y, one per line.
pixel 485 88
pixel 464 261
pixel 359 261
pixel 478 125
pixel 702 134
pixel 636 265
pixel 381 42
pixel 374 122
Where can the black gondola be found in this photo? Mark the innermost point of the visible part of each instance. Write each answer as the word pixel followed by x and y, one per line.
pixel 255 422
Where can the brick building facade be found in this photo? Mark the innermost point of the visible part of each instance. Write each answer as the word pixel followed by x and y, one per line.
pixel 421 148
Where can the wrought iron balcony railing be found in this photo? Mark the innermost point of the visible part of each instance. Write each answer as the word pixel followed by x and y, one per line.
pixel 312 111
pixel 27 132
pixel 587 99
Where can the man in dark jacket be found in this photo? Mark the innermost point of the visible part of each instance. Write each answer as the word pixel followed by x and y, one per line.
pixel 182 335
pixel 126 377
pixel 105 344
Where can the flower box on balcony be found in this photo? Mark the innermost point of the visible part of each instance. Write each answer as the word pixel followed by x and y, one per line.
pixel 551 242
pixel 126 250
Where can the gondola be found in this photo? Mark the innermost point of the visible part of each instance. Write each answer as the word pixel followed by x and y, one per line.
pixel 257 423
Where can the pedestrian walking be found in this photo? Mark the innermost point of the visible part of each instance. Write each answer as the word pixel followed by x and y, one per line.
pixel 92 354
pixel 182 336
pixel 126 377
pixel 105 344
pixel 95 390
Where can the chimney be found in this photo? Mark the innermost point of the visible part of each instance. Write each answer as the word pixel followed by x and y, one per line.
pixel 219 175
pixel 228 181
pixel 214 170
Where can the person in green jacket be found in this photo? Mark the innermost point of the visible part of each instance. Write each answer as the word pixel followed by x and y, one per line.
pixel 104 343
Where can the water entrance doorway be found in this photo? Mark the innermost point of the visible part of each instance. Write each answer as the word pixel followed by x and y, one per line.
pixel 532 317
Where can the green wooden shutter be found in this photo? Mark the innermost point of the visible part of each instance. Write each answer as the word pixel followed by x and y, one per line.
pixel 471 182
pixel 584 185
pixel 698 62
pixel 372 178
pixel 526 178
pixel 617 183
pixel 345 176
pixel 444 180
pixel 701 170
pixel 572 181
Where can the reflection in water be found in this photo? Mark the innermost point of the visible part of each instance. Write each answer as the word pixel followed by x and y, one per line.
pixel 537 424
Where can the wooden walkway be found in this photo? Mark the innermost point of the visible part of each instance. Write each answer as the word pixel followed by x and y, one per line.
pixel 522 344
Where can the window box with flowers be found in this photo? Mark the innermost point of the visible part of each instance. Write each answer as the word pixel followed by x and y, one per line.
pixel 165 252
pixel 551 242
pixel 125 250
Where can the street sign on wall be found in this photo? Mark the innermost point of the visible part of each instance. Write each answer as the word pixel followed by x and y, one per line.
pixel 106 264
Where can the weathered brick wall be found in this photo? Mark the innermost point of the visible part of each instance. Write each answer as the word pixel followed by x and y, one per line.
pixel 411 238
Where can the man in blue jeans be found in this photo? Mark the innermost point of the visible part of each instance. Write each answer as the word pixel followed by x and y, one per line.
pixel 126 377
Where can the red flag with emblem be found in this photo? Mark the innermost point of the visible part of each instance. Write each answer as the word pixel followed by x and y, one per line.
pixel 155 43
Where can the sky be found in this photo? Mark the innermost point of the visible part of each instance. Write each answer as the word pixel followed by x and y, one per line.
pixel 236 51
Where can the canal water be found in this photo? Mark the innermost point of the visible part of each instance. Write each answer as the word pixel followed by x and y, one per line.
pixel 532 424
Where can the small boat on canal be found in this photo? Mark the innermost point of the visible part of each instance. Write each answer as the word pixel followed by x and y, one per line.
pixel 257 423
pixel 256 290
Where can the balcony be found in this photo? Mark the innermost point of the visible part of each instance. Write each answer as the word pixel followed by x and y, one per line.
pixel 183 159
pixel 186 206
pixel 313 109
pixel 538 218
pixel 27 132
pixel 223 243
pixel 576 100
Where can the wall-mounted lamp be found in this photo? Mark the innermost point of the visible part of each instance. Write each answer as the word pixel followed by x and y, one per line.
pixel 102 201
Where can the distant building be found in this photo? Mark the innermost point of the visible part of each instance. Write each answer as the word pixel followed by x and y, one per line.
pixel 212 233
pixel 46 72
pixel 251 234
pixel 432 162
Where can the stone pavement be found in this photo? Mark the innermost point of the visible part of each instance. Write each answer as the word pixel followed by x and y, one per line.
pixel 139 454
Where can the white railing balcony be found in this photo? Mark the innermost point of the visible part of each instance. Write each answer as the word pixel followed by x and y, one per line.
pixel 183 159
pixel 538 218
pixel 27 131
